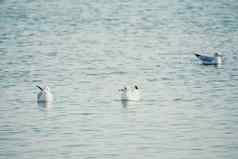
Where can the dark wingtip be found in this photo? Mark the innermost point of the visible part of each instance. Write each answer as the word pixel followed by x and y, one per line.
pixel 197 55
pixel 39 87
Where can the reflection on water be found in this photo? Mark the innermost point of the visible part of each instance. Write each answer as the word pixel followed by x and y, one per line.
pixel 85 50
pixel 124 103
pixel 44 105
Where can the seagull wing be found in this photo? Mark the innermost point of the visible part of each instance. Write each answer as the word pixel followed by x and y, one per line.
pixel 205 58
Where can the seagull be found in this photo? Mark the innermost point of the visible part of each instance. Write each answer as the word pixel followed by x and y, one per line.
pixel 44 95
pixel 130 94
pixel 210 60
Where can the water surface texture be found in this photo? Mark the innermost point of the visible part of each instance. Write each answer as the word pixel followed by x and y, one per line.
pixel 87 50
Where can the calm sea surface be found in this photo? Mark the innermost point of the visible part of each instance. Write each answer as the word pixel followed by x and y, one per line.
pixel 87 50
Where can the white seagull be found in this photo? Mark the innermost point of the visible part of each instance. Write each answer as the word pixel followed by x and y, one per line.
pixel 210 60
pixel 130 94
pixel 44 95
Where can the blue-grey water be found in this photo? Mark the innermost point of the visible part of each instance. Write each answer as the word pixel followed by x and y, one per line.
pixel 87 50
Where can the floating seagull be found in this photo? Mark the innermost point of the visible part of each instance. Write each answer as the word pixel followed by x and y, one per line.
pixel 210 60
pixel 44 95
pixel 130 94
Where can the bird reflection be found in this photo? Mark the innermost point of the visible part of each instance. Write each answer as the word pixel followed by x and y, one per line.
pixel 43 106
pixel 124 103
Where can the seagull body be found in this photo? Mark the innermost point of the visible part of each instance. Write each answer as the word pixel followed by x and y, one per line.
pixel 210 60
pixel 130 94
pixel 44 95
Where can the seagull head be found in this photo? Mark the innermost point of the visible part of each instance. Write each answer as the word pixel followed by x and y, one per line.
pixel 217 54
pixel 136 87
pixel 47 89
